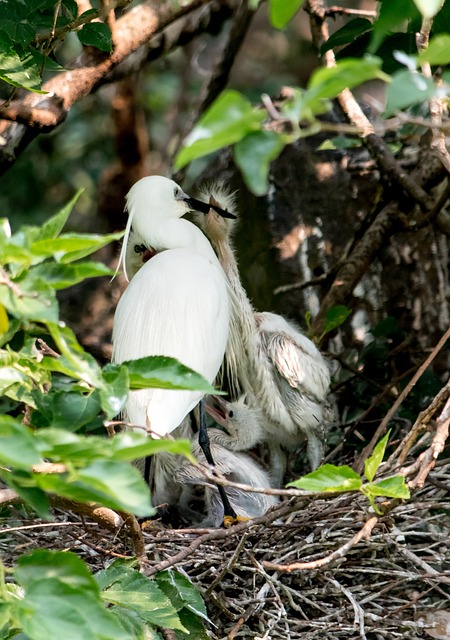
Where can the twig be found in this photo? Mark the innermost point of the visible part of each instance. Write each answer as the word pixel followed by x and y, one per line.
pixel 384 423
pixel 438 141
pixel 428 458
pixel 401 452
pixel 220 534
pixel 229 565
pixel 347 11
pixel 358 610
pixel 363 533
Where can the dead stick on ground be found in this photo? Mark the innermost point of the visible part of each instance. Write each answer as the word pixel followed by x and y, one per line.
pixel 362 534
pixel 384 423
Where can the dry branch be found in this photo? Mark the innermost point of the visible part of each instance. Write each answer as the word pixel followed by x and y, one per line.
pixel 133 30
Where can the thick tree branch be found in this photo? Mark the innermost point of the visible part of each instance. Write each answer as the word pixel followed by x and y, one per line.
pixel 132 31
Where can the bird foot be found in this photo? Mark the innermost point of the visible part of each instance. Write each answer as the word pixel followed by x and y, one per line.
pixel 229 521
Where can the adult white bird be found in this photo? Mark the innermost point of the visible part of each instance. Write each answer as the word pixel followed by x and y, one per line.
pixel 175 305
pixel 279 369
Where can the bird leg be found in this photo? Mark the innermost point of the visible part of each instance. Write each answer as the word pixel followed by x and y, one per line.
pixel 229 514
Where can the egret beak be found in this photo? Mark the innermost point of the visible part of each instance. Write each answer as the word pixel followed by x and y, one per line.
pixel 219 411
pixel 204 207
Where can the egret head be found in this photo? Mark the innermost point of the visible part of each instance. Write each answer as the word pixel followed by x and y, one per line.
pixel 151 201
pixel 217 228
pixel 241 421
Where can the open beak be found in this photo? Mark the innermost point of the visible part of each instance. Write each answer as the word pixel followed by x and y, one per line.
pixel 217 408
pixel 204 207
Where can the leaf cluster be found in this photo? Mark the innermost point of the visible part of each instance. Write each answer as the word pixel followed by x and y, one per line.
pixel 330 478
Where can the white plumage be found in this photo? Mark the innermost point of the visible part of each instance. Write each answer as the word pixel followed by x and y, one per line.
pixel 279 369
pixel 175 305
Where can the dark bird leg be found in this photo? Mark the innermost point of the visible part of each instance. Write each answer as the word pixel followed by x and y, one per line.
pixel 203 440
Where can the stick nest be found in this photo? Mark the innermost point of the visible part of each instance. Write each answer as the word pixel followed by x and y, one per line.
pixel 392 583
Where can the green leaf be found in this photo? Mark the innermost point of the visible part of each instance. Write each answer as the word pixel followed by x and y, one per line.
pixel 372 463
pixel 53 609
pixel 62 276
pixel 181 592
pixel 282 11
pixel 407 89
pixel 329 479
pixel 96 34
pixel 142 595
pixel 328 82
pixel 63 565
pixel 390 488
pixel 335 317
pixel 114 572
pixel 392 17
pixel 31 299
pixel 131 445
pixel 428 8
pixel 437 52
pixel 229 119
pixel 162 372
pixel 349 32
pixel 68 410
pixel 54 225
pixel 23 73
pixel 116 485
pixel 72 246
pixel 74 360
pixel 18 447
pixel 114 391
pixel 253 155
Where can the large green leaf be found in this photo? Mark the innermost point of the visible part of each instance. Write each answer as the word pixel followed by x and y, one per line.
pixel 329 478
pixel 253 155
pixel 72 246
pixel 74 360
pixel 142 595
pixel 62 276
pixel 63 565
pixel 282 11
pixel 68 410
pixel 407 89
pixel 18 447
pixel 130 445
pixel 328 82
pixel 229 119
pixel 53 609
pixel 117 485
pixel 181 592
pixel 165 373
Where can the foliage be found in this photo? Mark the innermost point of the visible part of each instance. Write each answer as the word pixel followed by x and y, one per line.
pixel 54 594
pixel 53 394
pixel 333 479
pixel 257 141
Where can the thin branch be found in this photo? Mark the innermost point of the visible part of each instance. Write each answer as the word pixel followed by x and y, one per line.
pixel 363 534
pixel 384 423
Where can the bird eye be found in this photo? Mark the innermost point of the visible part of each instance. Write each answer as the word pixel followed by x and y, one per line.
pixel 177 192
pixel 139 248
pixel 231 414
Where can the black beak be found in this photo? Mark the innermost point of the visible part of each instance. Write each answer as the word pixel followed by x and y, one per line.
pixel 204 207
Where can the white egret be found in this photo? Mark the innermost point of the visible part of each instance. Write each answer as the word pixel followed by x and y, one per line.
pixel 281 370
pixel 175 305
pixel 236 467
